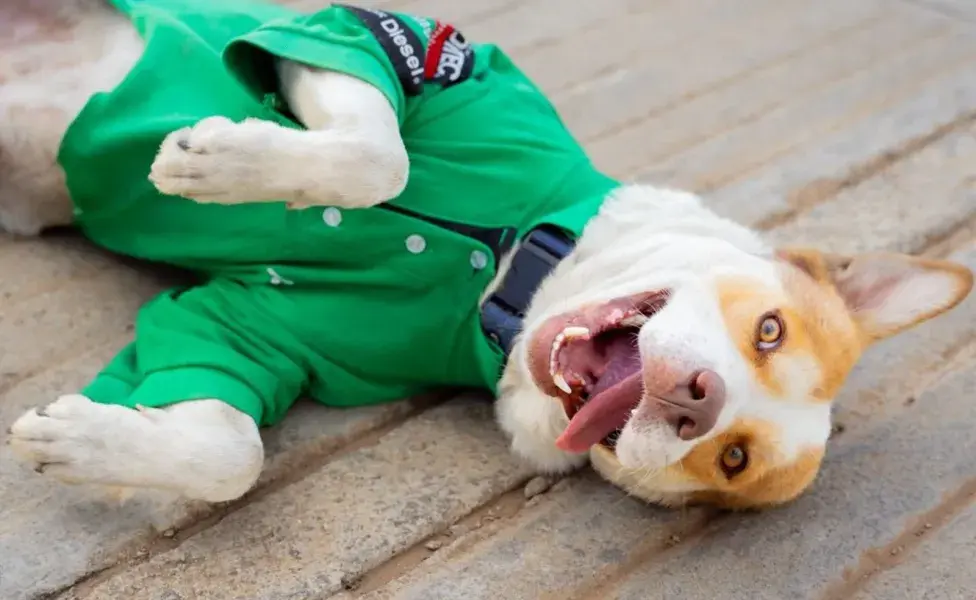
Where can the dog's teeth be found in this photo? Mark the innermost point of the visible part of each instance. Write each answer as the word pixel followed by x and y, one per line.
pixel 561 383
pixel 634 320
pixel 575 332
pixel 557 344
pixel 570 333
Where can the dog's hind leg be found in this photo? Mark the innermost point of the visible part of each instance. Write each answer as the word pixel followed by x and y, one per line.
pixel 203 449
pixel 55 56
pixel 179 407
pixel 352 155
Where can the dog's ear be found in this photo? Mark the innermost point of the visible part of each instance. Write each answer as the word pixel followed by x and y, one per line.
pixel 886 292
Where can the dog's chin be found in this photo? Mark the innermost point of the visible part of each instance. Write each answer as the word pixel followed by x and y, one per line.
pixel 660 487
pixel 642 460
pixel 648 444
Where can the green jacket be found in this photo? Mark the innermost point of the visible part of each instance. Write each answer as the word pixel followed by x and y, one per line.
pixel 351 306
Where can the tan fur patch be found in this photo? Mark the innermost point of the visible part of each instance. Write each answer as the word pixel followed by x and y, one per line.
pixel 765 481
pixel 817 326
pixel 826 329
pixel 825 268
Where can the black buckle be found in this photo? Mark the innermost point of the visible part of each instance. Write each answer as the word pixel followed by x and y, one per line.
pixel 503 311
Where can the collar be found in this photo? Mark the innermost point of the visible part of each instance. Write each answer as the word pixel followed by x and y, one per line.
pixel 503 312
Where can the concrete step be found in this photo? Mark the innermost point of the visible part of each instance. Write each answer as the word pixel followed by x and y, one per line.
pixel 847 125
pixel 319 534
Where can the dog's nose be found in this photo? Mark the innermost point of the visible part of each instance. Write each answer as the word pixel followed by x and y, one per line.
pixel 693 407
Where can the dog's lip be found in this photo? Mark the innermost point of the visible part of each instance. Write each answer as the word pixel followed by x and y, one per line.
pixel 595 319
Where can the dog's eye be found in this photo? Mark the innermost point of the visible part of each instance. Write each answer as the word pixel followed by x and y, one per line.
pixel 769 334
pixel 734 460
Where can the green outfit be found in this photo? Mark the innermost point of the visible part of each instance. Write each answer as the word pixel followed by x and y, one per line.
pixel 351 307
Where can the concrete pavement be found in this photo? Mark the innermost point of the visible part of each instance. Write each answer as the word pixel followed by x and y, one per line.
pixel 850 125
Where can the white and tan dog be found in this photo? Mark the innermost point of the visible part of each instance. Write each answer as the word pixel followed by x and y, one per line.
pixel 724 354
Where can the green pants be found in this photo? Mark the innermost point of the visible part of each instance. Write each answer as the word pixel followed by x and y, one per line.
pixel 254 347
pixel 208 342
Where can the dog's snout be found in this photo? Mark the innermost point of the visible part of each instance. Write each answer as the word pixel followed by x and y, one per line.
pixel 692 408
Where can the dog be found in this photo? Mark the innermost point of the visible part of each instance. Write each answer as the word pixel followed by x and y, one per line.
pixel 622 324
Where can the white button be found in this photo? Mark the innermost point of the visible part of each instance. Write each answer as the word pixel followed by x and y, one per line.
pixel 332 216
pixel 416 244
pixel 479 260
pixel 277 279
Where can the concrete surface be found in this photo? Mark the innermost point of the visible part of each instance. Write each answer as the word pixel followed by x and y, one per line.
pixel 943 565
pixel 850 125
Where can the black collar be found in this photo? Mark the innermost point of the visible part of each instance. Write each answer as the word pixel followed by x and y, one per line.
pixel 503 311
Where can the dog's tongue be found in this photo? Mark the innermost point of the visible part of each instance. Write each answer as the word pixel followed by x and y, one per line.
pixel 614 396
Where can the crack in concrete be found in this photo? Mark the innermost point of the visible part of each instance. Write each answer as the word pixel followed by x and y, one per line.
pixel 727 82
pixel 820 191
pixel 880 559
pixel 460 538
pixel 945 11
pixel 695 527
pixel 143 551
pixel 897 397
pixel 942 244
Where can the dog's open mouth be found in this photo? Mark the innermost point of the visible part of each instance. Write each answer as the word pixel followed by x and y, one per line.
pixel 590 360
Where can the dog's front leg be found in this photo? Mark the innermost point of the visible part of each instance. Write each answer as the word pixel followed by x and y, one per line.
pixel 202 449
pixel 351 156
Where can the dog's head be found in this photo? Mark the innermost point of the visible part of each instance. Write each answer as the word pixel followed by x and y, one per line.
pixel 697 365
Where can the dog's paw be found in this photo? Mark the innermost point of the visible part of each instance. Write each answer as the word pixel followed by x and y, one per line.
pixel 76 440
pixel 220 161
pixel 201 449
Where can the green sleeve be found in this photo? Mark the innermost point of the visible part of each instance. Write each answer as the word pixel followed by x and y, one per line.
pixel 217 340
pixel 333 39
